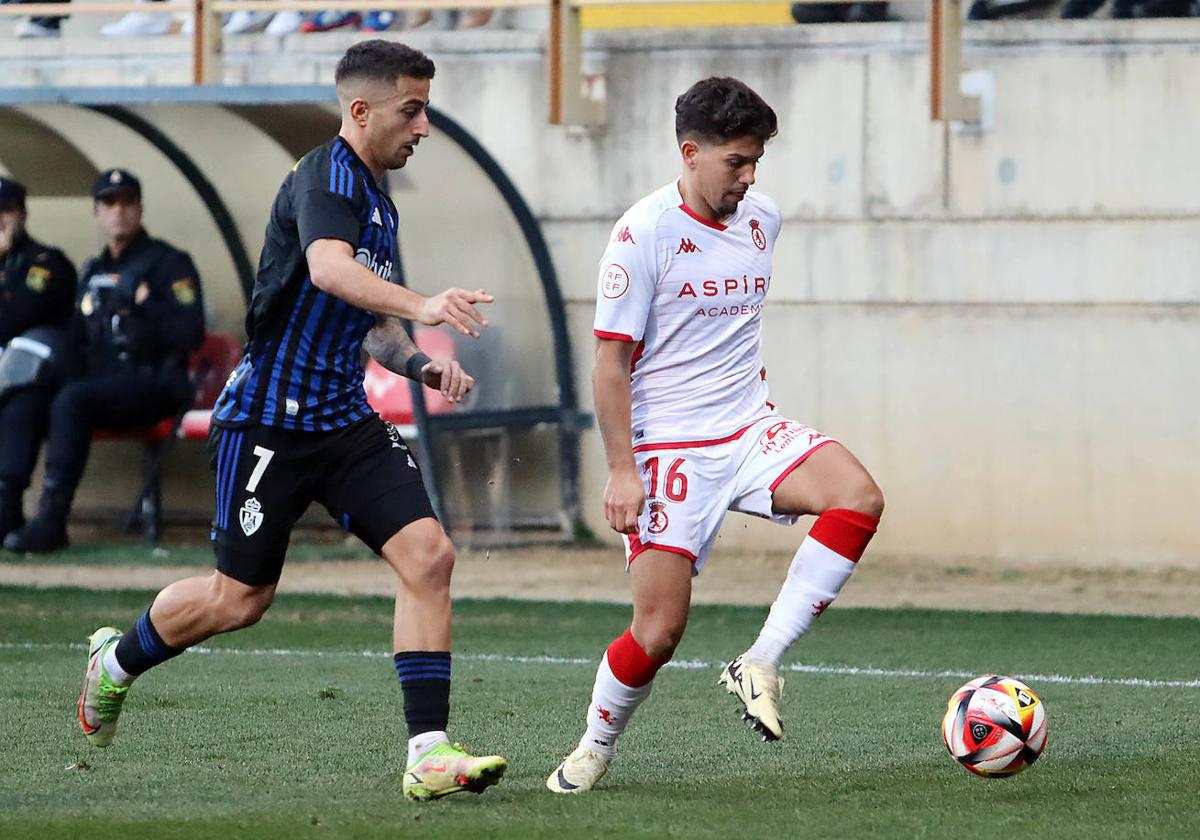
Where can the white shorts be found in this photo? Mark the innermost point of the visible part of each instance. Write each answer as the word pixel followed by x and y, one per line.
pixel 690 485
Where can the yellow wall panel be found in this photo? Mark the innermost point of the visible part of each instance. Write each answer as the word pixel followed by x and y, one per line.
pixel 687 14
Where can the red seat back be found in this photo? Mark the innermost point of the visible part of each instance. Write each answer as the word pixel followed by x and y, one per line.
pixel 211 365
pixel 389 394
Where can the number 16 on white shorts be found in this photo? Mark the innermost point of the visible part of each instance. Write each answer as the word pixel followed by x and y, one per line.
pixel 691 484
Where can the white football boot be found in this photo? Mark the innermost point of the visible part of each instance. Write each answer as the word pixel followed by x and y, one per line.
pixel 579 771
pixel 758 686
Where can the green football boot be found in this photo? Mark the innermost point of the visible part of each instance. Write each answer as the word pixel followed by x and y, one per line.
pixel 101 699
pixel 448 768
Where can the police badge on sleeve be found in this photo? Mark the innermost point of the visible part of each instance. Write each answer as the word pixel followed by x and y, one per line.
pixel 251 516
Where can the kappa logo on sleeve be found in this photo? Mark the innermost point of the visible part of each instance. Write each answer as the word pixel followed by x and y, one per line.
pixel 623 235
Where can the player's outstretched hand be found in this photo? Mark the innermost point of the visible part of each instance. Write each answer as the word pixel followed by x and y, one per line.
pixel 455 307
pixel 624 498
pixel 448 377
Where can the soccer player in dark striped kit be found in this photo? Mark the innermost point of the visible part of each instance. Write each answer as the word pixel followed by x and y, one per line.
pixel 293 425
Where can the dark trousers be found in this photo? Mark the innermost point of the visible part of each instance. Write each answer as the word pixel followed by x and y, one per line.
pixel 24 414
pixel 66 420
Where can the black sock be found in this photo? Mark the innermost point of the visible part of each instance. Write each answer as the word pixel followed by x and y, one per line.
pixel 142 648
pixel 425 679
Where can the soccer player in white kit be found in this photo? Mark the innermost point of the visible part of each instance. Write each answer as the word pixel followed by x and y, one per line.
pixel 681 401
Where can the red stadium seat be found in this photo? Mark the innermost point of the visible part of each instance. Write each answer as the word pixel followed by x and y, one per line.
pixel 389 393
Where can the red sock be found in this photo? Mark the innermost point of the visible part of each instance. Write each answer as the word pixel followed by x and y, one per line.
pixel 630 663
pixel 846 532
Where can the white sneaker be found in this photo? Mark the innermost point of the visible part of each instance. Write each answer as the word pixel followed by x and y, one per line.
pixel 137 24
pixel 241 22
pixel 579 771
pixel 31 29
pixel 284 23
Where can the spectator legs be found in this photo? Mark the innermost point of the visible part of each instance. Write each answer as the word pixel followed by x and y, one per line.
pixel 109 402
pixel 23 417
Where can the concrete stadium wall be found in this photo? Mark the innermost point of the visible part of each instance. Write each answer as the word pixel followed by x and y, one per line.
pixel 1003 325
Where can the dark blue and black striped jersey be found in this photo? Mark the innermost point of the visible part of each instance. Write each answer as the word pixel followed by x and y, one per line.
pixel 303 363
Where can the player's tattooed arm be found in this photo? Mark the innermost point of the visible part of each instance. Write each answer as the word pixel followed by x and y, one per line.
pixel 388 343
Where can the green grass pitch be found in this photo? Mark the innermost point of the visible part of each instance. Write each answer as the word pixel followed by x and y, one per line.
pixel 294 728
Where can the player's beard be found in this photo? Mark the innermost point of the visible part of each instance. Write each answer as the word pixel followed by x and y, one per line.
pixel 729 205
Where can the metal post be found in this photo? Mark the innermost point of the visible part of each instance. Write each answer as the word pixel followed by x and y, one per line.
pixel 206 45
pixel 946 101
pixel 568 106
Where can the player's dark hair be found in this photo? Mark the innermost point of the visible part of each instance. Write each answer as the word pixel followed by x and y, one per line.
pixel 720 109
pixel 382 61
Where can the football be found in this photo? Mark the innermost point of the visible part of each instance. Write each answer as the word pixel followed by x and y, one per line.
pixel 995 726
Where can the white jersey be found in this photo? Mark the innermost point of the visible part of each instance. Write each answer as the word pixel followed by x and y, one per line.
pixel 690 293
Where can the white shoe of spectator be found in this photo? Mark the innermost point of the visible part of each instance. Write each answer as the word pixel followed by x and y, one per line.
pixel 31 29
pixel 241 22
pixel 285 23
pixel 137 24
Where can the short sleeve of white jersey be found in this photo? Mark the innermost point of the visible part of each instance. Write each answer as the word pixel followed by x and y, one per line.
pixel 628 277
pixel 774 220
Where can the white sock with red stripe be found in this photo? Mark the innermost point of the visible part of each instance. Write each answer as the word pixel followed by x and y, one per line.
pixel 821 567
pixel 623 681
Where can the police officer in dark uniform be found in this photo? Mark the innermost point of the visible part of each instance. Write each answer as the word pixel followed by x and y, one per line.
pixel 139 315
pixel 37 293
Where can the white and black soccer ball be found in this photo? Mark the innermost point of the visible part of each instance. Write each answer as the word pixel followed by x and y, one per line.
pixel 995 726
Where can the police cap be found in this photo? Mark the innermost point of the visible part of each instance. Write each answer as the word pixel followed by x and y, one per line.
pixel 114 181
pixel 12 194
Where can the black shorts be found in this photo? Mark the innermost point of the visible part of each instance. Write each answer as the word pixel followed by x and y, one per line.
pixel 363 474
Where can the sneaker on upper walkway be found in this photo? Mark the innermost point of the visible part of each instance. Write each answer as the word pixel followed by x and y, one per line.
pixel 758 686
pixel 579 771
pixel 379 21
pixel 284 23
pixel 329 21
pixel 243 22
pixel 100 701
pixel 32 29
pixel 138 24
pixel 449 768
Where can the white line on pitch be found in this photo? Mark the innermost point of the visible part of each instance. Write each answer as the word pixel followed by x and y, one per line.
pixel 686 664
